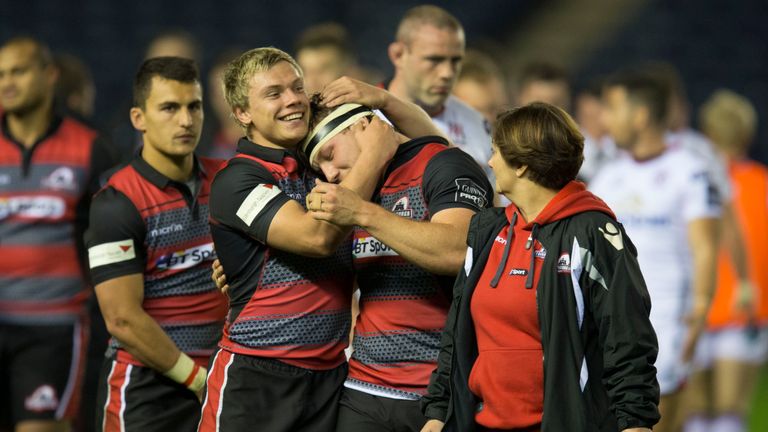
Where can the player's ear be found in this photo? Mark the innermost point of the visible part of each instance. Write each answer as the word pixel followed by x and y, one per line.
pixel 395 51
pixel 243 116
pixel 137 119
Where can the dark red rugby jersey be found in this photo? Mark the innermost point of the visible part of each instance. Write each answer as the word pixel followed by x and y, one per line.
pixel 45 191
pixel 283 306
pixel 402 306
pixel 143 222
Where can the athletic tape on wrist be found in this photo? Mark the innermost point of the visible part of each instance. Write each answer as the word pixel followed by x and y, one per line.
pixel 338 120
pixel 188 373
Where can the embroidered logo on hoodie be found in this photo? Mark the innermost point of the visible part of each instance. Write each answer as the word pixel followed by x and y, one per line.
pixel 564 263
pixel 518 272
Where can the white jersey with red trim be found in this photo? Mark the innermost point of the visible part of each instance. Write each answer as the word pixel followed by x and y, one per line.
pixel 467 129
pixel 655 200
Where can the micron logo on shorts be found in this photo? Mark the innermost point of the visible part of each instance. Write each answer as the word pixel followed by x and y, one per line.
pixel 186 258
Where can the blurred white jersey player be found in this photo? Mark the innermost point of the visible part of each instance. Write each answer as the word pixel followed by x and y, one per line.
pixel 655 200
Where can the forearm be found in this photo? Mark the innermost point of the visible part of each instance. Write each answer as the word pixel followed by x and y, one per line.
pixel 143 338
pixel 704 273
pixel 733 240
pixel 365 174
pixel 409 118
pixel 436 247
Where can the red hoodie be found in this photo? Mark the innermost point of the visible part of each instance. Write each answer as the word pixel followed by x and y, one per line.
pixel 508 376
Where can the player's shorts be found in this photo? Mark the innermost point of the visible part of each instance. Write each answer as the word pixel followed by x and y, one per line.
pixel 360 411
pixel 139 399
pixel 41 371
pixel 671 372
pixel 741 344
pixel 255 393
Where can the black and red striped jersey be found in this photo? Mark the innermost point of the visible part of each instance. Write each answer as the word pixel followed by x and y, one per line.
pixel 45 191
pixel 402 306
pixel 144 222
pixel 284 306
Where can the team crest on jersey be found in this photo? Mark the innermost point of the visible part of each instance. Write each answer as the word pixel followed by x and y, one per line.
pixel 564 263
pixel 62 178
pixel 402 207
pixel 42 399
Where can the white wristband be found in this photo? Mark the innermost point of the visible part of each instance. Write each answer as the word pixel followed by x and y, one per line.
pixel 187 372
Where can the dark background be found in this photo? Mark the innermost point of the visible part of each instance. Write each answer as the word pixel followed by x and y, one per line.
pixel 714 43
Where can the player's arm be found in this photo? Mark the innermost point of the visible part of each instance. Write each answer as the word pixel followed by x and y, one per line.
pixel 408 117
pixel 117 261
pixel 293 229
pixel 703 244
pixel 245 196
pixel 120 300
pixel 455 189
pixel 702 209
pixel 733 240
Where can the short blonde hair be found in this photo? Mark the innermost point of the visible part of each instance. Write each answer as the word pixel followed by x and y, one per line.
pixel 729 120
pixel 238 73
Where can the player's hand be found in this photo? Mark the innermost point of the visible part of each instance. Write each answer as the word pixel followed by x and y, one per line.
pixel 334 203
pixel 695 329
pixel 349 90
pixel 433 426
pixel 744 298
pixel 218 276
pixel 376 138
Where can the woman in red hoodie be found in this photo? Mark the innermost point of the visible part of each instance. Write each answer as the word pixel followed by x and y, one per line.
pixel 549 326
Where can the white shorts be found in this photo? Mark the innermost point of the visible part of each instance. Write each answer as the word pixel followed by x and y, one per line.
pixel 732 343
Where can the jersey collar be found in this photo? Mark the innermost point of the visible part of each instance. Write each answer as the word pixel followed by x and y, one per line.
pixel 269 154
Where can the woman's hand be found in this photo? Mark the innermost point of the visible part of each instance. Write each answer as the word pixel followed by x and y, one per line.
pixel 433 426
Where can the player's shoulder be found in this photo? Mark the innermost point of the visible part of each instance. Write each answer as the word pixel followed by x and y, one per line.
pixel 459 110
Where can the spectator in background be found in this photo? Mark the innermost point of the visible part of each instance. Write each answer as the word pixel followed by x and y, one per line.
pixel 670 208
pixel 174 43
pixel 599 148
pixel 227 131
pixel 735 345
pixel 544 82
pixel 325 53
pixel 482 85
pixel 170 43
pixel 49 167
pixel 75 89
pixel 427 55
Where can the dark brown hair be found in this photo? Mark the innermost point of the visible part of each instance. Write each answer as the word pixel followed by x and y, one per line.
pixel 170 68
pixel 543 137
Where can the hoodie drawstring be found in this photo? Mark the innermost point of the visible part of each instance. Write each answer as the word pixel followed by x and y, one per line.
pixel 530 244
pixel 505 255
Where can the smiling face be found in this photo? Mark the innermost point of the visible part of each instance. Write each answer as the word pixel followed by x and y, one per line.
pixel 429 63
pixel 172 117
pixel 278 108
